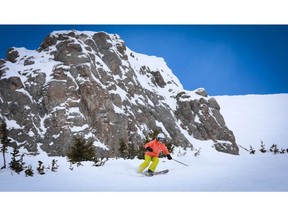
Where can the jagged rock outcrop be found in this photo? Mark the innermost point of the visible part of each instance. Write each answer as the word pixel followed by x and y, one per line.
pixel 91 84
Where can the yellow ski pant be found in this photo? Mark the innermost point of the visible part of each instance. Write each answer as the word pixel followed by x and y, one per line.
pixel 148 159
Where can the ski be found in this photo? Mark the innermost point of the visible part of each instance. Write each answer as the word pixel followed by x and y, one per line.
pixel 161 172
pixel 157 173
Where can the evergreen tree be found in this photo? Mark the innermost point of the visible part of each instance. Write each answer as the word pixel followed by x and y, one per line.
pixel 252 150
pixel 5 141
pixel 17 163
pixel 153 134
pixel 81 151
pixel 123 149
pixel 29 171
pixel 141 152
pixel 100 161
pixel 41 168
pixel 274 149
pixel 54 166
pixel 113 152
pixel 170 146
pixel 282 151
pixel 132 151
pixel 262 147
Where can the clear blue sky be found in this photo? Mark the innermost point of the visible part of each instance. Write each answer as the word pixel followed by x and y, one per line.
pixel 223 59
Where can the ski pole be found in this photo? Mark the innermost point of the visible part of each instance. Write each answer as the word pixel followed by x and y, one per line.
pixel 179 162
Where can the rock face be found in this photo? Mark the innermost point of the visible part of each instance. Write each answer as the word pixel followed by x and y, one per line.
pixel 91 84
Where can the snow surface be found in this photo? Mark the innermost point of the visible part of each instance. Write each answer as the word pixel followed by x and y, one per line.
pixel 252 118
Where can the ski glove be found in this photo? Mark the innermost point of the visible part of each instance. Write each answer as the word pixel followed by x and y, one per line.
pixel 149 149
pixel 169 157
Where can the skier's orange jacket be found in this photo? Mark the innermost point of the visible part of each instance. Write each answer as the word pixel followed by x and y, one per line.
pixel 157 147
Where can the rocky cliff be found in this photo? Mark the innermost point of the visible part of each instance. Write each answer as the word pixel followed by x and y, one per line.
pixel 91 84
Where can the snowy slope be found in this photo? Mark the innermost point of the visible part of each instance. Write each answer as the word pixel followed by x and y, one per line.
pixel 253 118
pixel 208 172
pixel 211 171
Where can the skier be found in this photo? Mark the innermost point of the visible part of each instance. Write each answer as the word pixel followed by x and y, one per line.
pixel 153 148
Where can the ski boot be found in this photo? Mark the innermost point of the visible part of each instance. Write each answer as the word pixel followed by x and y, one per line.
pixel 149 173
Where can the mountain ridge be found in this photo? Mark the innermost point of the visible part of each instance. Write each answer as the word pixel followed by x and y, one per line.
pixel 91 84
